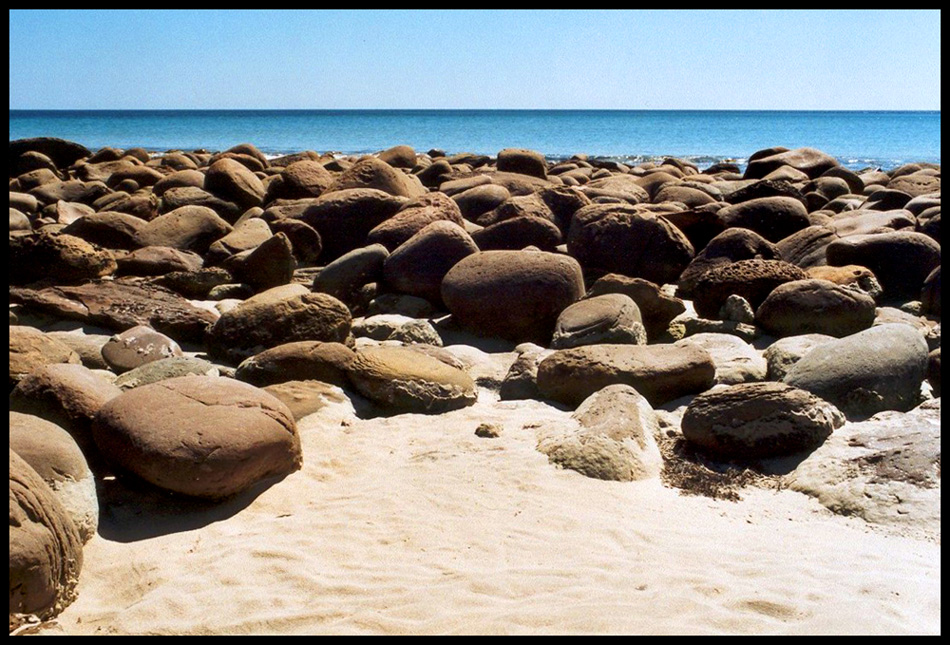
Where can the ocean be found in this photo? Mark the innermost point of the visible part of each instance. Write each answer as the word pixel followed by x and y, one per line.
pixel 858 139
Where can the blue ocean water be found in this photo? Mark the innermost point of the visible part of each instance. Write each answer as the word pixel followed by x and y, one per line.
pixel 856 139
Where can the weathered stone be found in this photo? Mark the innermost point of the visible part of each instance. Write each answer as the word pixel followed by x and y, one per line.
pixel 754 280
pixel 412 218
pixel 137 346
pixel 189 228
pixel 812 162
pixel 730 246
pixel 370 172
pixel 165 368
pixel 404 380
pixel 758 420
pixel 620 239
pixel 785 352
pixel 232 181
pixel 901 260
pixel 815 306
pixel 880 368
pixel 610 318
pixel 516 295
pixel 885 470
pixel 527 162
pixel 611 437
pixel 300 361
pixel 657 309
pixel 55 457
pixel 343 277
pixel 31 349
pixel 660 372
pixel 735 359
pixel 344 218
pixel 45 547
pixel 273 318
pixel 201 436
pixel 418 266
pixel 60 258
pixel 118 306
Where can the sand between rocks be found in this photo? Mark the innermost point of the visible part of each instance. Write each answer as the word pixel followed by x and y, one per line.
pixel 413 525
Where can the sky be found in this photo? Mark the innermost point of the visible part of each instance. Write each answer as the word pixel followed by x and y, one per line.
pixel 766 60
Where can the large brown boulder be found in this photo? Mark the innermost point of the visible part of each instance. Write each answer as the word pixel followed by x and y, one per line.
pixel 60 258
pixel 234 182
pixel 412 218
pixel 758 420
pixel 661 373
pixel 404 380
pixel 56 457
pixel 299 180
pixel 301 361
pixel 815 307
pixel 610 318
pixel 201 436
pixel 730 246
pixel 61 152
pixel 370 172
pixel 621 239
pixel 344 218
pixel 65 394
pixel 901 260
pixel 751 279
pixel 657 309
pixel 516 295
pixel 189 228
pixel 526 162
pixel 419 264
pixel 31 349
pixel 108 229
pixel 812 162
pixel 45 547
pixel 277 316
pixel 774 218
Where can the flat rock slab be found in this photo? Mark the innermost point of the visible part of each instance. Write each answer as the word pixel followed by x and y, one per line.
pixel 202 436
pixel 119 306
pixel 885 470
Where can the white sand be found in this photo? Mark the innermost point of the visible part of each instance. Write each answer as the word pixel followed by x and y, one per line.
pixel 413 524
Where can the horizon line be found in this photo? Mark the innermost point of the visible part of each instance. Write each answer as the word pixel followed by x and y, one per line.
pixel 466 109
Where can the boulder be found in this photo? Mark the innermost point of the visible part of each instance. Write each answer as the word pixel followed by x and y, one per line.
pixel 657 309
pixel 754 280
pixel 137 346
pixel 370 172
pixel 60 258
pixel 344 277
pixel 515 295
pixel 344 218
pixel 158 261
pixel 118 305
pixel 518 233
pixel 611 437
pixel 751 421
pixel 610 318
pixel 850 275
pixel 202 436
pixel 901 260
pixel 269 265
pixel 301 361
pixel 45 546
pixel 31 349
pixel 815 307
pixel 401 156
pixel 66 395
pixel 165 368
pixel 111 230
pixel 810 161
pixel 55 457
pixel 774 218
pixel 526 162
pixel 403 380
pixel 877 369
pixel 730 246
pixel 275 317
pixel 736 360
pixel 419 264
pixel 303 398
pixel 61 152
pixel 234 182
pixel 300 180
pixel 785 352
pixel 412 218
pixel 478 200
pixel 620 239
pixel 661 373
pixel 189 228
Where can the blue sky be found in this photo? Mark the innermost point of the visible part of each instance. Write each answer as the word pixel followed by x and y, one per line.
pixel 864 60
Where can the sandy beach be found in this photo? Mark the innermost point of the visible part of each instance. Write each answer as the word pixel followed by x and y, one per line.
pixel 413 525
